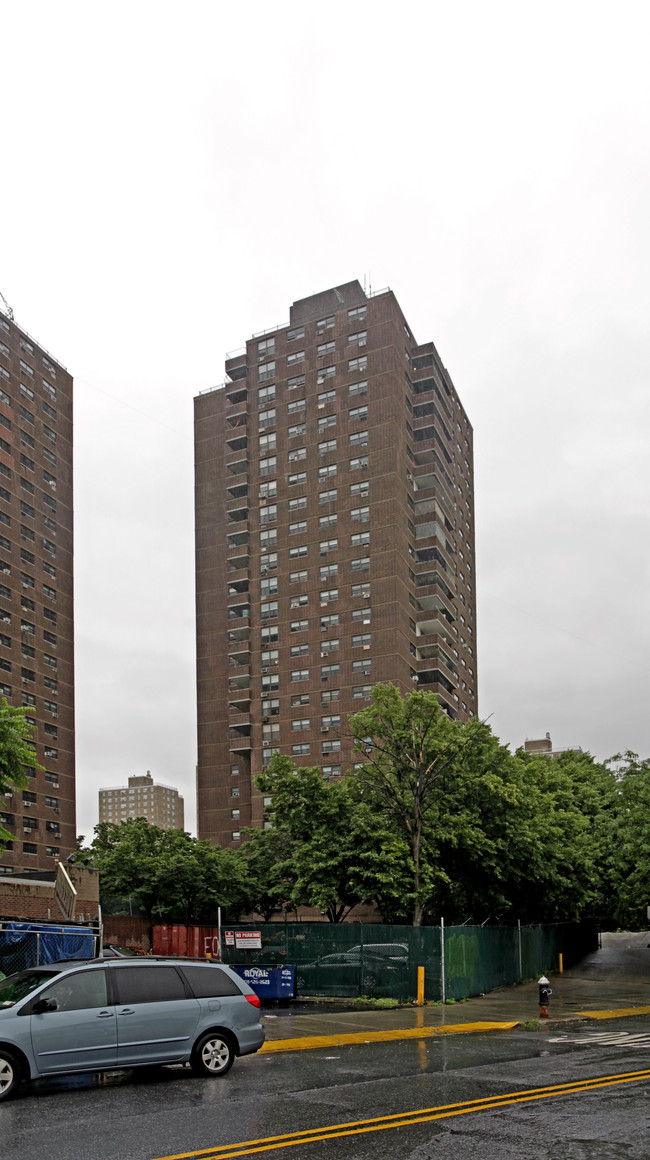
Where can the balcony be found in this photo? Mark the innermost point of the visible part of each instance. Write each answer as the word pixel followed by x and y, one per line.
pixel 240 737
pixel 238 587
pixel 237 515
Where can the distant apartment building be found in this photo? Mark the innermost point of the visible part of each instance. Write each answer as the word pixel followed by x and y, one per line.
pixel 36 595
pixel 544 745
pixel 143 798
pixel 334 543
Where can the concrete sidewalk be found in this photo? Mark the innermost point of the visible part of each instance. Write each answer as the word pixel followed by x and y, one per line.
pixel 610 983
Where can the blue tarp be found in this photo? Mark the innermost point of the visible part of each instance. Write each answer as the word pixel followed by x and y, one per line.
pixel 20 947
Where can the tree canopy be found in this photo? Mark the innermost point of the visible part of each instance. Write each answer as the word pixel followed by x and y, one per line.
pixel 16 752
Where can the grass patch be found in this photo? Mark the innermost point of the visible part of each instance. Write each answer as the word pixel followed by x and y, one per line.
pixel 377 1004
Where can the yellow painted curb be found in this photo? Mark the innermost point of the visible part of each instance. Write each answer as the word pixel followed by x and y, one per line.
pixel 312 1042
pixel 612 1013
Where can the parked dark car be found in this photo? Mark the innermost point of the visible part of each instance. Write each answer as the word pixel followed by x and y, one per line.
pixel 106 1014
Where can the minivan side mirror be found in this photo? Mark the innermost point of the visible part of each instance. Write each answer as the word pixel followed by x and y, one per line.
pixel 42 1005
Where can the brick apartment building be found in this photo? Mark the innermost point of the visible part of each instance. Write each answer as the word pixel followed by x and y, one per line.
pixel 334 543
pixel 162 805
pixel 36 594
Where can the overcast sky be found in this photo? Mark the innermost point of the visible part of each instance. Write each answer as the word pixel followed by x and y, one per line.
pixel 174 176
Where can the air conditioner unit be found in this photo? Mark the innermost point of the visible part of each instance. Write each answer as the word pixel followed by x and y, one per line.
pixel 321 406
pixel 323 604
pixel 364 466
pixel 366 596
pixel 366 646
pixel 262 502
pixel 265 744
pixel 325 729
pixel 265 670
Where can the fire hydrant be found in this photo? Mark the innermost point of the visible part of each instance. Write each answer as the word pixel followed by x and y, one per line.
pixel 545 991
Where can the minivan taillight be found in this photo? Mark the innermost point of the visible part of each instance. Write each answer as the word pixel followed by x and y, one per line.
pixel 254 1000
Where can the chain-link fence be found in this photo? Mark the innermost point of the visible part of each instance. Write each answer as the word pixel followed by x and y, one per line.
pixel 350 960
pixel 21 948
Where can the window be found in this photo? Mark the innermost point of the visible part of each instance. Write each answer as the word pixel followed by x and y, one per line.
pixel 297 332
pixel 331 722
pixel 270 635
pixel 269 587
pixel 268 539
pixel 328 594
pixel 25 461
pixel 26 439
pixel 300 725
pixel 328 496
pixel 296 553
pixel 328 546
pixel 364 666
pixel 328 570
pixel 359 439
pixel 297 477
pixel 329 646
pixel 265 348
pixel 49 411
pixel 235 835
pixel 265 396
pixel 27 391
pixel 362 691
pixel 296 430
pixel 327 472
pixel 362 514
pixel 300 699
pixel 267 443
pixel 358 365
pixel 360 565
pixel 270 684
pixel 299 650
pixel 269 610
pixel 328 521
pixel 268 466
pixel 26 370
pixel 299 502
pixel 297 453
pixel 362 615
pixel 299 601
pixel 297 578
pixel 270 658
pixel 325 348
pixel 268 514
pixel 360 540
pixel 265 371
pixel 26 509
pixel 327 447
pixel 300 750
pixel 360 338
pixel 266 418
pixel 364 640
pixel 325 397
pixel 357 314
pixel 360 464
pixel 298 528
pixel 268 561
pixel 299 625
pixel 329 695
pixel 324 374
pixel 295 383
pixel 358 414
pixel 295 406
pixel 296 357
pixel 325 423
pixel 358 388
pixel 331 770
pixel 327 622
pixel 331 747
pixel 360 489
pixel 327 671
pixel 271 732
pixel 325 323
pixel 300 675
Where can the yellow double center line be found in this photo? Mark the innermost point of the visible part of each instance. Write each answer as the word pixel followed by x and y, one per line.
pixel 404 1119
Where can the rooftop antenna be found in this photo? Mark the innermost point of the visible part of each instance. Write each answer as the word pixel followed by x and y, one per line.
pixel 10 313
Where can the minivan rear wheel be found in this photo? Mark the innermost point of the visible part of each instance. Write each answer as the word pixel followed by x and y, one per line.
pixel 213 1054
pixel 9 1074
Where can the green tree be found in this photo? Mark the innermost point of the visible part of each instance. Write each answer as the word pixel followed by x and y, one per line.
pixel 167 872
pixel 629 849
pixel 409 745
pixel 16 752
pixel 335 853
pixel 268 871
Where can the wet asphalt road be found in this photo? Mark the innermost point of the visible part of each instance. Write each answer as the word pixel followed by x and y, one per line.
pixel 146 1116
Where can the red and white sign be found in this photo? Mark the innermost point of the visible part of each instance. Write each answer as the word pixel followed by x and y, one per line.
pixel 248 940
pixel 229 936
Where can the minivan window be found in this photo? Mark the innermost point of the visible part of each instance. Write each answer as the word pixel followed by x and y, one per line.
pixel 18 986
pixel 148 984
pixel 78 992
pixel 208 982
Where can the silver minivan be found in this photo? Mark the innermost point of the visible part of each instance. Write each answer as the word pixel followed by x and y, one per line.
pixel 113 1013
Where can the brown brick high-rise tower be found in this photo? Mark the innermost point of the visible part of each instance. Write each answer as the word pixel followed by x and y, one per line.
pixel 36 594
pixel 334 543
